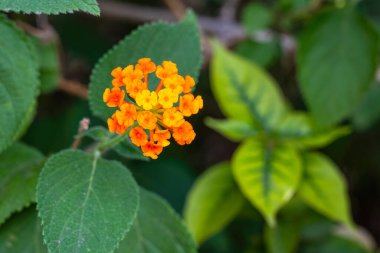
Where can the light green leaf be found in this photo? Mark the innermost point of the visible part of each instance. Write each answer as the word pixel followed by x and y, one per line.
pixel 50 6
pixel 179 43
pixel 268 174
pixel 18 82
pixel 48 64
pixel 368 110
pixel 324 189
pixel 256 17
pixel 213 202
pixel 157 229
pixel 337 59
pixel 86 204
pixel 244 91
pixel 299 129
pixel 20 166
pixel 232 129
pixel 22 233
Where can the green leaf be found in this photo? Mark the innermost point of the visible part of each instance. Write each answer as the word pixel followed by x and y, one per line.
pixel 232 129
pixel 50 6
pixel 244 91
pixel 299 129
pixel 333 244
pixel 86 204
pixel 125 148
pixel 20 166
pixel 262 53
pixel 256 17
pixel 213 202
pixel 18 82
pixel 157 229
pixel 268 174
pixel 337 59
pixel 324 189
pixel 368 110
pixel 179 43
pixel 22 233
pixel 48 64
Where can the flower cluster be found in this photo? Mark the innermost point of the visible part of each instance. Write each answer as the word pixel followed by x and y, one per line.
pixel 155 116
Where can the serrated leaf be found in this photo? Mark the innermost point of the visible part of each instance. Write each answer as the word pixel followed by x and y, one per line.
pixel 85 203
pixel 18 82
pixel 157 229
pixel 244 91
pixel 22 233
pixel 50 6
pixel 232 129
pixel 268 174
pixel 324 189
pixel 213 202
pixel 368 110
pixel 159 41
pixel 337 59
pixel 47 53
pixel 20 166
pixel 299 129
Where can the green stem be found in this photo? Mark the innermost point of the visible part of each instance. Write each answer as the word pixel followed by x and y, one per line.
pixel 113 141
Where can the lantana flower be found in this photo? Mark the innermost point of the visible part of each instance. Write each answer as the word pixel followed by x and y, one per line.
pixel 152 117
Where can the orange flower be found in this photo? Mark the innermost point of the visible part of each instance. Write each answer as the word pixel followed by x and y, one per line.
pixel 184 134
pixel 117 73
pixel 127 114
pixel 114 126
pixel 174 82
pixel 188 105
pixel 167 69
pixel 188 84
pixel 138 136
pixel 161 112
pixel 162 137
pixel 135 87
pixel 131 74
pixel 114 97
pixel 151 150
pixel 147 120
pixel 146 66
pixel 172 117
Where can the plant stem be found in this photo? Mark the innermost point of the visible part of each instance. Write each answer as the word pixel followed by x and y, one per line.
pixel 112 142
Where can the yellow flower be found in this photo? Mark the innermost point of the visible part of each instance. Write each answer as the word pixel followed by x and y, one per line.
pixel 146 99
pixel 167 69
pixel 130 74
pixel 175 83
pixel 167 97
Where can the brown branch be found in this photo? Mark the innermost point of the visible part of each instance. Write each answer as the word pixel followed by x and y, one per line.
pixel 177 7
pixel 74 88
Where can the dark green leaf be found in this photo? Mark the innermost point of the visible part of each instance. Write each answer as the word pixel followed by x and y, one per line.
pixel 86 204
pixel 50 6
pixel 20 166
pixel 337 58
pixel 262 53
pixel 18 82
pixel 368 110
pixel 22 233
pixel 157 229
pixel 256 17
